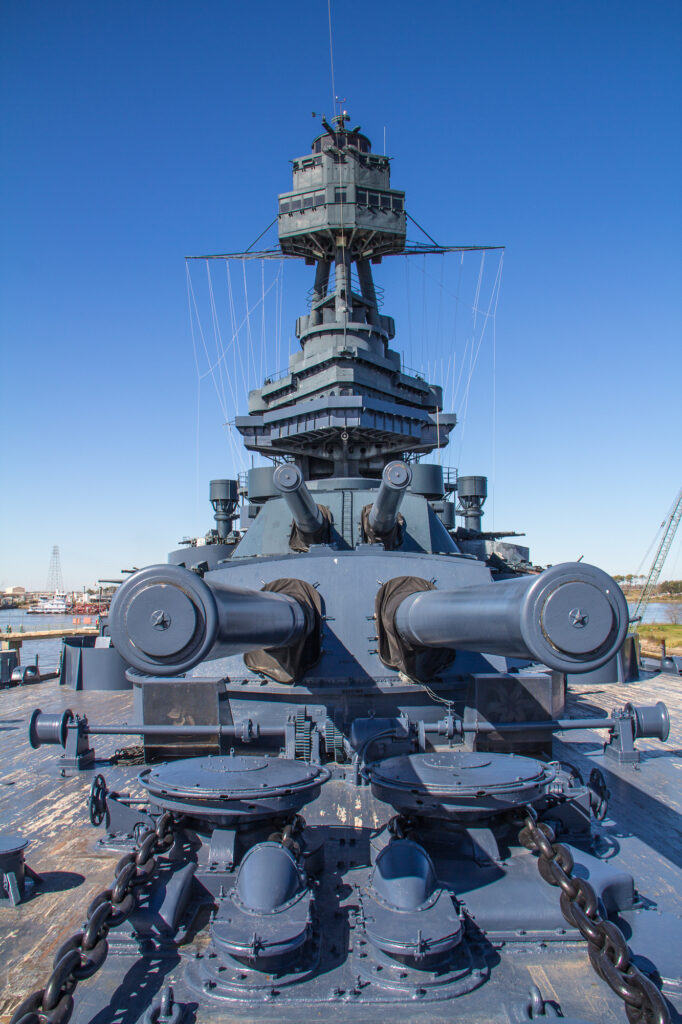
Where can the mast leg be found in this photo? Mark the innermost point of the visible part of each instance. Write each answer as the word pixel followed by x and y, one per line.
pixel 319 290
pixel 368 291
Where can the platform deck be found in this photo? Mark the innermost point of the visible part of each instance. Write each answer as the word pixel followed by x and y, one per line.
pixel 644 821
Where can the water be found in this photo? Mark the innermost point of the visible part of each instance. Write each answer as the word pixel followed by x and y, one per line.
pixel 49 651
pixel 660 611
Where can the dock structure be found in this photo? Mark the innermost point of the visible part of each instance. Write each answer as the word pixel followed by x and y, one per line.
pixel 11 637
pixel 11 641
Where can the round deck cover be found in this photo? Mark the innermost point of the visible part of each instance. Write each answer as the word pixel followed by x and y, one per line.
pixel 225 789
pixel 459 782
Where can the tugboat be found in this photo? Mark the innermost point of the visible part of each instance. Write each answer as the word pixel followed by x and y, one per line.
pixel 56 604
pixel 364 786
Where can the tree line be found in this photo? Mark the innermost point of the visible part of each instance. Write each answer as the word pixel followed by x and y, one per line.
pixel 668 588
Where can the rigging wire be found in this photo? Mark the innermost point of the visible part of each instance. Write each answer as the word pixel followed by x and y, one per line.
pixel 472 362
pixel 221 400
pixel 494 299
pixel 454 331
pixel 210 372
pixel 236 329
pixel 236 358
pixel 261 234
pixel 448 291
pixel 440 296
pixel 446 381
pixel 198 407
pixel 278 300
pixel 234 355
pixel 494 417
pixel 234 446
pixel 216 332
pixel 236 349
pixel 474 354
pixel 438 433
pixel 410 217
pixel 331 55
pixel 409 309
pixel 277 290
pixel 249 336
pixel 222 352
pixel 424 332
pixel 462 365
pixel 262 321
pixel 460 372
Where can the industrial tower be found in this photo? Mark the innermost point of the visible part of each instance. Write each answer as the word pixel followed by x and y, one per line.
pixel 55 580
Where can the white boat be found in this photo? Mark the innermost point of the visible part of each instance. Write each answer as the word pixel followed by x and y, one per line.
pixel 54 605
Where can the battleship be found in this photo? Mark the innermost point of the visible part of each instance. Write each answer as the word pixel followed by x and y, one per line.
pixel 361 760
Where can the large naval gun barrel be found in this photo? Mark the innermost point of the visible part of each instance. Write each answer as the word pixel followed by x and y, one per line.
pixel 165 619
pixel 288 479
pixel 395 480
pixel 572 617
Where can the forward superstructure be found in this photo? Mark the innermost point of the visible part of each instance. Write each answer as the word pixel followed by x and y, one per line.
pixel 346 407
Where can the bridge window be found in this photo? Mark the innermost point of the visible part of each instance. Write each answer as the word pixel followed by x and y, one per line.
pixel 284 206
pixel 397 204
pixel 361 196
pixel 340 195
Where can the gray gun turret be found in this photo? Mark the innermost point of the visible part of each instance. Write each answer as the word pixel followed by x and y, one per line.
pixel 572 617
pixel 165 619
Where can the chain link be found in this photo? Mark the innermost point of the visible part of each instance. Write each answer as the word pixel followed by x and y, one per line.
pixel 608 951
pixel 163 1010
pixel 83 954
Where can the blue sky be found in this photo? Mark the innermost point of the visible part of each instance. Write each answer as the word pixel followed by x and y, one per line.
pixel 135 134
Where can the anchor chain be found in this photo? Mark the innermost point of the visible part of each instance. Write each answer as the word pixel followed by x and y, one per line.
pixel 599 794
pixel 608 951
pixel 84 953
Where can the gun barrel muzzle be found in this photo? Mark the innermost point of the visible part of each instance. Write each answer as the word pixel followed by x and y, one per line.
pixel 572 617
pixel 164 620
pixel 395 480
pixel 288 479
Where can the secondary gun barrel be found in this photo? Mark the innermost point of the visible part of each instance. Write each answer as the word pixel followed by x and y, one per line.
pixel 395 480
pixel 165 619
pixel 288 479
pixel 572 617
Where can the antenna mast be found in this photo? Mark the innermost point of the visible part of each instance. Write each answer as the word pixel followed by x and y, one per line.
pixel 55 580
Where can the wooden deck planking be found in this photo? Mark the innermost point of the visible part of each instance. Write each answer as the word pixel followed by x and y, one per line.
pixel 51 812
pixel 645 809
